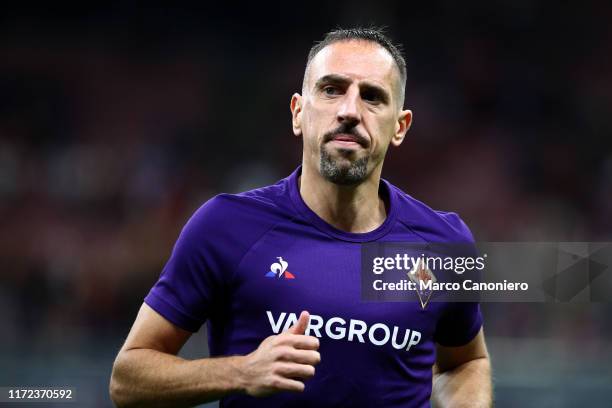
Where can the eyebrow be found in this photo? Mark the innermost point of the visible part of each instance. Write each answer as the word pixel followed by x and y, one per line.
pixel 343 80
pixel 332 79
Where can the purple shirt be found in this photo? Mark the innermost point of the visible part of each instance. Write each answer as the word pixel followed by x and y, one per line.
pixel 247 264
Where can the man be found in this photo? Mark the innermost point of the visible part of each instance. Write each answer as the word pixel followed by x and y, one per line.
pixel 249 263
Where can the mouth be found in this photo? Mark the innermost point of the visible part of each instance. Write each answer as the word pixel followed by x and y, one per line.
pixel 347 140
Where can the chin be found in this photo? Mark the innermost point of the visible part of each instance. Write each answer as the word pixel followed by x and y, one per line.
pixel 338 154
pixel 343 170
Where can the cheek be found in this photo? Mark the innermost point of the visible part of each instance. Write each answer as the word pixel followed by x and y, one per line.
pixel 387 128
pixel 309 130
pixel 315 121
pixel 382 130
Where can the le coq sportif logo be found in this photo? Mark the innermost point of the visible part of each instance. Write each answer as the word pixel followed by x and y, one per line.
pixel 279 270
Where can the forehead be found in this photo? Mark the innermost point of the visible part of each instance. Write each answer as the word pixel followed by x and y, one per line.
pixel 358 59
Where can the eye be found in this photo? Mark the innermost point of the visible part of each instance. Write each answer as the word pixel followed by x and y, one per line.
pixel 371 96
pixel 331 90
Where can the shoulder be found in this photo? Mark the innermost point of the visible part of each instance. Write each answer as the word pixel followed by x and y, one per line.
pixel 436 225
pixel 263 204
pixel 239 219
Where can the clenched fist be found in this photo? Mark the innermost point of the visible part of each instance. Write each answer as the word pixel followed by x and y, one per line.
pixel 281 362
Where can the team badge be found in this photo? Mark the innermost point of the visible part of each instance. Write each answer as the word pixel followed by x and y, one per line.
pixel 421 274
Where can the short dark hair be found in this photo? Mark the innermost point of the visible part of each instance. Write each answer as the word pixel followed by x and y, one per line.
pixel 373 34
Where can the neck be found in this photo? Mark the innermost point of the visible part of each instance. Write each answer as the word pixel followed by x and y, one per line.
pixel 356 209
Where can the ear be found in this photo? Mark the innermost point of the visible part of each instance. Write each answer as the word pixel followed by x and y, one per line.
pixel 296 113
pixel 401 127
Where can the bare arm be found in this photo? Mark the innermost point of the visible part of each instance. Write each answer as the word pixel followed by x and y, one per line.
pixel 462 376
pixel 148 373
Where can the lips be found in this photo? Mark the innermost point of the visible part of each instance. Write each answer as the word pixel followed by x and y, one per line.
pixel 348 139
pixel 346 136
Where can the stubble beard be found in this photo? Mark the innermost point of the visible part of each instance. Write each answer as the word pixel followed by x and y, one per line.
pixel 350 174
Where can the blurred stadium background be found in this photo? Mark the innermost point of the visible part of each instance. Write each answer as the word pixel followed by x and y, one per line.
pixel 117 123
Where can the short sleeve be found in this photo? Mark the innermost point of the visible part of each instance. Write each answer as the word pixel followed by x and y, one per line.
pixel 191 280
pixel 461 321
pixel 459 324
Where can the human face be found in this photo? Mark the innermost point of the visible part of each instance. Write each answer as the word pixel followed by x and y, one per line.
pixel 350 111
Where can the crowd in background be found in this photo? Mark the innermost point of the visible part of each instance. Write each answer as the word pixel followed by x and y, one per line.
pixel 116 125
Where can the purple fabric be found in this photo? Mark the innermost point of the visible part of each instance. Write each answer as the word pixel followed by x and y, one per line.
pixel 222 272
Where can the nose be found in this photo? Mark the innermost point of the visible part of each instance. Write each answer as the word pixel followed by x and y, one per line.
pixel 348 111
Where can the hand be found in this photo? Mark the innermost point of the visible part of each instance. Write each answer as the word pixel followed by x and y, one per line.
pixel 281 361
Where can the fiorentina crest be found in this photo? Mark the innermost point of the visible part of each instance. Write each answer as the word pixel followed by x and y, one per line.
pixel 420 275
